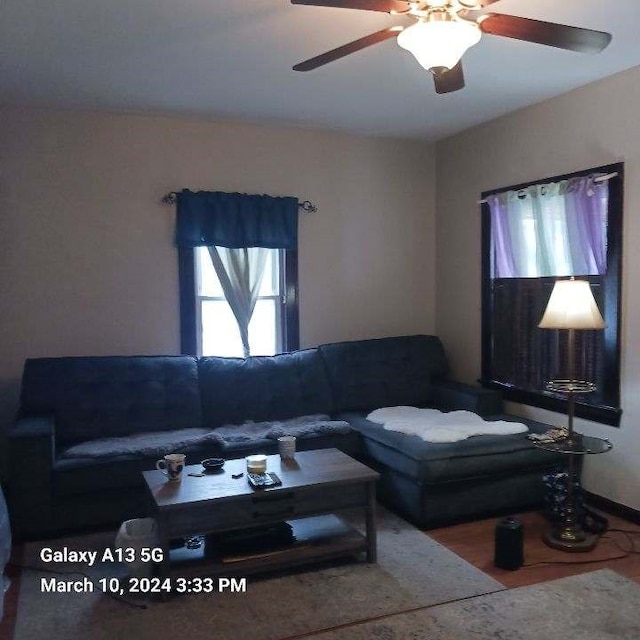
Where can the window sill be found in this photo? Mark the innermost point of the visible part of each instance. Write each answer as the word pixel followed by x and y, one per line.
pixel 602 414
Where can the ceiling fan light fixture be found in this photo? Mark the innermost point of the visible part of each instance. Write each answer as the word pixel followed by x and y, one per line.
pixel 438 44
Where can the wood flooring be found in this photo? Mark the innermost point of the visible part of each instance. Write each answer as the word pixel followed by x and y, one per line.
pixel 474 541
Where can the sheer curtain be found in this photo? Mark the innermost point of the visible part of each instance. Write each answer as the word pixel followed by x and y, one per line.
pixel 550 230
pixel 240 272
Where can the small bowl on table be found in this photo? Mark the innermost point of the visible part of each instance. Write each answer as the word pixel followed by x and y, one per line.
pixel 213 464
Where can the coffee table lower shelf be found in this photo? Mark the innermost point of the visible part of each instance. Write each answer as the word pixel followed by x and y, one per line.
pixel 317 539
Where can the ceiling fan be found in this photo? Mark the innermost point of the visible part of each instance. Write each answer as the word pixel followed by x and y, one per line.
pixel 445 29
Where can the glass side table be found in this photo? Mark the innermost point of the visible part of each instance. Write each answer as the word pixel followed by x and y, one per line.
pixel 568 534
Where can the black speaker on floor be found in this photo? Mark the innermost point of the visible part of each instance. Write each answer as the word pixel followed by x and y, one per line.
pixel 509 544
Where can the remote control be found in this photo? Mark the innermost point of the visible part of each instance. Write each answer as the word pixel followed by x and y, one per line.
pixel 262 480
pixel 259 480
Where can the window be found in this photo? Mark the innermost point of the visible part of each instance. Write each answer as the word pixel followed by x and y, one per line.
pixel 208 326
pixel 533 234
pixel 217 328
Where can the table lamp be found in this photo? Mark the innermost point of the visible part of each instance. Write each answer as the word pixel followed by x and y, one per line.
pixel 571 307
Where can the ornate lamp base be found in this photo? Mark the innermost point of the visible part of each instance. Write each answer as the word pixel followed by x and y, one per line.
pixel 570 538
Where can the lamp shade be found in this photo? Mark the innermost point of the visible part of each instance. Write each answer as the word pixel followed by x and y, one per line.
pixel 572 306
pixel 437 44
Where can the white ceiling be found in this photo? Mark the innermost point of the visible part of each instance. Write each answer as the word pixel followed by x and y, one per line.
pixel 233 59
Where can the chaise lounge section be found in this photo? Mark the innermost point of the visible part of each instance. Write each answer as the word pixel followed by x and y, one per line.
pixel 67 402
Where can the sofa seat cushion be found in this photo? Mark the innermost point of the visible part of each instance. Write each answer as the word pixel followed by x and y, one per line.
pixel 349 442
pixel 153 443
pixel 438 426
pixel 262 388
pixel 300 427
pixel 77 476
pixel 317 431
pixel 84 476
pixel 386 372
pixel 434 463
pixel 243 448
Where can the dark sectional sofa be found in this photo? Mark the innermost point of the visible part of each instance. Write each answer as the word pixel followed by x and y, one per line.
pixel 65 401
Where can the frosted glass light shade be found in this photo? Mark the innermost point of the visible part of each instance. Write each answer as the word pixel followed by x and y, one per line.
pixel 439 43
pixel 572 306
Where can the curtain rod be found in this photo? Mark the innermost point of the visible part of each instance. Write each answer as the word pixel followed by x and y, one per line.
pixel 603 178
pixel 305 205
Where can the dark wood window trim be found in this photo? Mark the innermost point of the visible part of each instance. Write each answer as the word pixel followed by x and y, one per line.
pixel 290 304
pixel 606 413
pixel 187 282
pixel 188 315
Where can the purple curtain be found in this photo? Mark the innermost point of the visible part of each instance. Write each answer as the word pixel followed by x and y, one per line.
pixel 551 230
pixel 586 205
pixel 503 261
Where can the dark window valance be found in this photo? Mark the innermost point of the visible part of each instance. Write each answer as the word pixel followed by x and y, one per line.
pixel 214 218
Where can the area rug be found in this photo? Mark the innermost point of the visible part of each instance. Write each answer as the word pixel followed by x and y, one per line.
pixel 601 605
pixel 413 571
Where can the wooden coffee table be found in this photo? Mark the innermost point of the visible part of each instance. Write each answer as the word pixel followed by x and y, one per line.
pixel 315 485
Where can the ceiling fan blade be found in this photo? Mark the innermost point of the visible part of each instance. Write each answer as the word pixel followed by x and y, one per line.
pixel 386 6
pixel 346 49
pixel 548 33
pixel 449 81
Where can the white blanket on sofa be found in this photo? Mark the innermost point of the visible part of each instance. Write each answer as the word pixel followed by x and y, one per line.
pixel 436 426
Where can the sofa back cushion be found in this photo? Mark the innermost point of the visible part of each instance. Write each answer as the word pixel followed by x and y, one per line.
pixel 97 397
pixel 263 387
pixel 387 372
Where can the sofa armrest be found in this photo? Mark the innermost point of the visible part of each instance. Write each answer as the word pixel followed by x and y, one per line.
pixel 33 436
pixel 32 427
pixel 31 445
pixel 449 395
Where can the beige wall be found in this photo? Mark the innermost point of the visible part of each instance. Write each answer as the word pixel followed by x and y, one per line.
pixel 592 126
pixel 87 264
